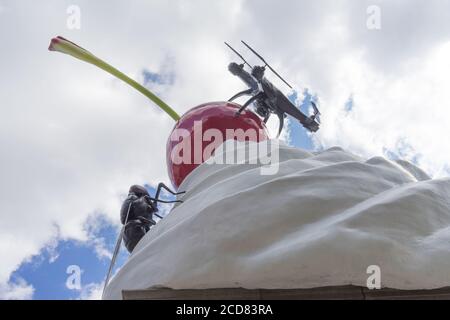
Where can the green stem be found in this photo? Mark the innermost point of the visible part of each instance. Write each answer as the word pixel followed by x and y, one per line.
pixel 110 69
pixel 65 46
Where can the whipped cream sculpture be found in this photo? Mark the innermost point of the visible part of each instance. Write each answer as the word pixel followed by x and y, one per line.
pixel 322 219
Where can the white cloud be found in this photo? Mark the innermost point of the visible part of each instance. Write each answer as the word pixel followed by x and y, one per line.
pixel 52 250
pixel 409 109
pixel 93 227
pixel 18 290
pixel 92 291
pixel 73 139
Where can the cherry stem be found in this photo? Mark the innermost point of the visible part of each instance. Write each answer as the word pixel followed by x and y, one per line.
pixel 63 45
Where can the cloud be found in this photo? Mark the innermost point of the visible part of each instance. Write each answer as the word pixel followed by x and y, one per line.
pixel 73 138
pixel 92 291
pixel 404 114
pixel 18 290
pixel 93 226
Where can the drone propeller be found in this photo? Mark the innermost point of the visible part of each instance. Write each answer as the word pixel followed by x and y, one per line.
pixel 262 59
pixel 238 54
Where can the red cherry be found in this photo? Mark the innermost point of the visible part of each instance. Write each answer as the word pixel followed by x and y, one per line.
pixel 211 115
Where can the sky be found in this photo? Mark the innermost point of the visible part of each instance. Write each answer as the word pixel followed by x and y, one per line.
pixel 73 138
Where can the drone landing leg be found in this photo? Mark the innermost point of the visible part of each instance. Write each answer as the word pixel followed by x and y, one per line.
pixel 239 94
pixel 248 103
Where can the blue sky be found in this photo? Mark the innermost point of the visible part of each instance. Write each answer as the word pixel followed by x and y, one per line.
pixel 298 136
pixel 48 271
pixel 49 277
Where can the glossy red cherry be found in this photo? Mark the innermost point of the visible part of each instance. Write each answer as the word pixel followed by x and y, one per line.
pixel 195 127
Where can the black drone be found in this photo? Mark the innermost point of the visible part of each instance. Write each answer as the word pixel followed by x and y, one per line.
pixel 266 97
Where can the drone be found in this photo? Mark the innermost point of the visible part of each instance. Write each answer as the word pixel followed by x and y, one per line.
pixel 266 97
